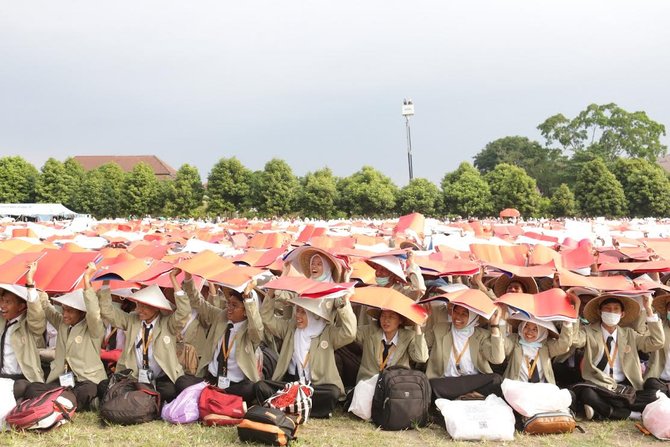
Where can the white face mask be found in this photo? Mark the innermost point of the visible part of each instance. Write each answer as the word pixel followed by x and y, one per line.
pixel 610 319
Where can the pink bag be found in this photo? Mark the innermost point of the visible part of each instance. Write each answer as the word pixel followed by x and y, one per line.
pixel 656 417
pixel 184 409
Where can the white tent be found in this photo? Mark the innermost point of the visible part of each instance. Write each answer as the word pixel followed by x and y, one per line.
pixel 39 211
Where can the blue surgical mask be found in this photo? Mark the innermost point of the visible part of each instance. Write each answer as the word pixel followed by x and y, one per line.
pixel 382 280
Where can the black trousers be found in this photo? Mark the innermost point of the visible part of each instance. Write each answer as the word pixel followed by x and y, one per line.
pixel 607 407
pixel 85 391
pixel 243 388
pixel 20 384
pixel 324 399
pixel 164 387
pixel 453 387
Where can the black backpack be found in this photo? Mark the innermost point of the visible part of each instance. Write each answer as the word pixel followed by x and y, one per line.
pixel 267 426
pixel 128 402
pixel 401 400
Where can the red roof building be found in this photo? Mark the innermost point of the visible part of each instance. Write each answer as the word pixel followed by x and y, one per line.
pixel 161 169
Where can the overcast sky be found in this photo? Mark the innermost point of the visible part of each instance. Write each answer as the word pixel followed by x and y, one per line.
pixel 317 83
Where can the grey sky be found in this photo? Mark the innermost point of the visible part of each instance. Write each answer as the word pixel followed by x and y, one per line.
pixel 317 83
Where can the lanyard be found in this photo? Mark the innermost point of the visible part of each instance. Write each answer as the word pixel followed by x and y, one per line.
pixel 457 358
pixel 303 365
pixel 145 349
pixel 225 351
pixel 531 366
pixel 611 358
pixel 105 343
pixel 384 361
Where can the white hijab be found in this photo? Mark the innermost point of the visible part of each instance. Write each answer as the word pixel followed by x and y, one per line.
pixel 460 337
pixel 530 347
pixel 327 275
pixel 302 340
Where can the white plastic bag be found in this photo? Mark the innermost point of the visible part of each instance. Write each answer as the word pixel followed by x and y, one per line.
pixel 473 420
pixel 656 417
pixel 7 401
pixel 529 399
pixel 361 404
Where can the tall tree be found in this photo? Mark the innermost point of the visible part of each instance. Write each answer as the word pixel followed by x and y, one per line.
pixel 421 196
pixel 645 185
pixel 186 192
pixel 113 179
pixel 17 180
pixel 511 187
pixel 72 181
pixel 279 189
pixel 466 193
pixel 563 202
pixel 598 192
pixel 608 131
pixel 544 164
pixel 51 185
pixel 228 186
pixel 367 192
pixel 141 191
pixel 318 194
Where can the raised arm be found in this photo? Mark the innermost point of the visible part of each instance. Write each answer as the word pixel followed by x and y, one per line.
pixel 178 319
pixel 207 312
pixel 277 327
pixel 344 333
pixel 115 316
pixel 35 317
pixel 93 318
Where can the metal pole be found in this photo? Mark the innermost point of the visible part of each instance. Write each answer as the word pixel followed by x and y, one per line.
pixel 409 149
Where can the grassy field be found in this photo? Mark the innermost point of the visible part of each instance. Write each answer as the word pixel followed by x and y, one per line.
pixel 341 430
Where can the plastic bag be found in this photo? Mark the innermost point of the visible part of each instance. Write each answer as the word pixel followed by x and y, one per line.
pixel 473 420
pixel 529 399
pixel 656 417
pixel 184 408
pixel 7 401
pixel 361 404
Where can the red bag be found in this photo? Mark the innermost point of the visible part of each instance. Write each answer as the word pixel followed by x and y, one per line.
pixel 218 408
pixel 50 410
pixel 295 398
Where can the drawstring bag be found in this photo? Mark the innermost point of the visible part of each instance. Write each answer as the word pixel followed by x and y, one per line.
pixel 295 398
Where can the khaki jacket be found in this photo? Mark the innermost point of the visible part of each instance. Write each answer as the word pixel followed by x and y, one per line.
pixel 81 347
pixel 550 348
pixel 629 342
pixel 164 335
pixel 322 349
pixel 25 339
pixel 249 336
pixel 196 334
pixel 410 345
pixel 658 358
pixel 484 350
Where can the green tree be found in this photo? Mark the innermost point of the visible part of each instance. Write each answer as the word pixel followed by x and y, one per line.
pixel 141 191
pixel 608 131
pixel 228 186
pixel 563 202
pixel 51 186
pixel 544 164
pixel 367 192
pixel 279 189
pixel 17 180
pixel 185 193
pixel 113 180
pixel 421 196
pixel 72 181
pixel 598 192
pixel 318 194
pixel 645 185
pixel 511 187
pixel 465 192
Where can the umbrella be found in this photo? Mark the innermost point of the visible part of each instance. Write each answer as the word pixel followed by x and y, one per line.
pixel 510 212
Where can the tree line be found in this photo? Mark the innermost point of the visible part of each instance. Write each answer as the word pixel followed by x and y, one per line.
pixel 600 163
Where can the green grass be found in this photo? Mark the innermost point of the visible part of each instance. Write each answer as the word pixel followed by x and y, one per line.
pixel 341 430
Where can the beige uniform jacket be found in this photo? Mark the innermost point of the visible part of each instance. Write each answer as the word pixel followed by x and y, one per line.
pixel 81 348
pixel 25 338
pixel 164 336
pixel 658 358
pixel 248 338
pixel 410 345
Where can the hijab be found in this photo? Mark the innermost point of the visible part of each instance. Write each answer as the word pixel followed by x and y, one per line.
pixel 460 338
pixel 302 339
pixel 327 275
pixel 529 347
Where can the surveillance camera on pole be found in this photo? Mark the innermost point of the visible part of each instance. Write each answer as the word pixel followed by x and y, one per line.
pixel 407 111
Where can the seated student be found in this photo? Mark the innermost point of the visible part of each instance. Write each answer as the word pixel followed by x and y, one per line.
pixel 235 333
pixel 530 351
pixel 386 342
pixel 114 338
pixel 307 352
pixel 22 322
pixel 610 356
pixel 389 273
pixel 461 354
pixel 150 351
pixel 194 331
pixel 659 362
pixel 80 330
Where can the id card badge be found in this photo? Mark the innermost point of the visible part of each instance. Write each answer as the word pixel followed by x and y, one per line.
pixel 223 383
pixel 66 380
pixel 145 376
